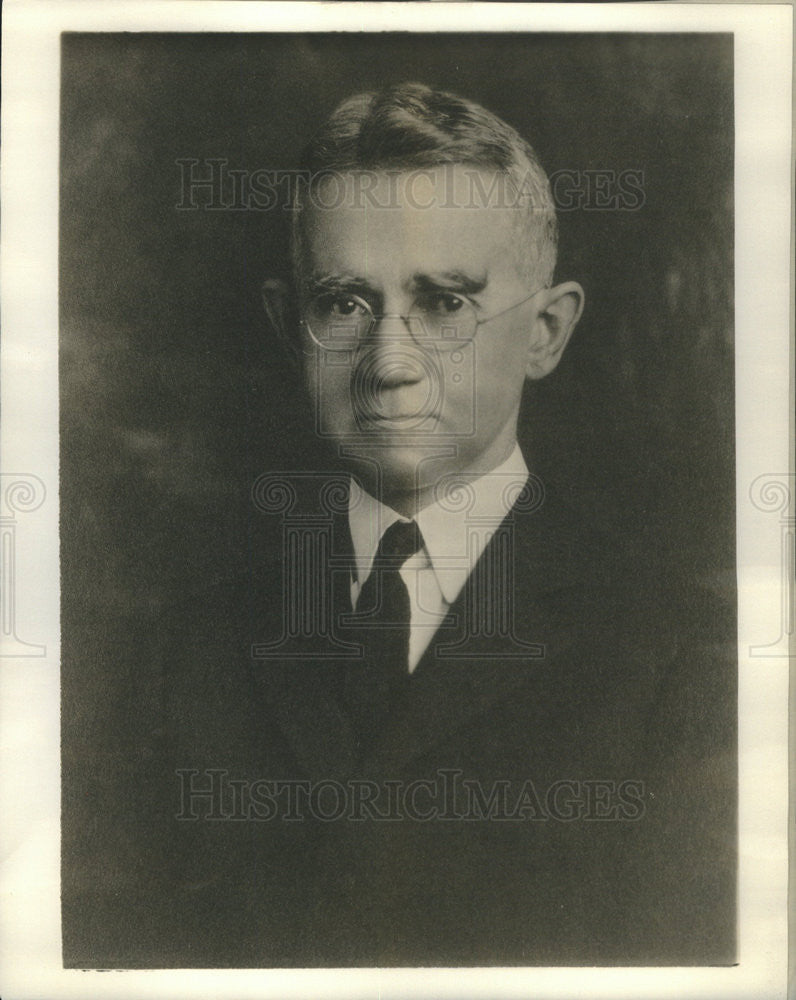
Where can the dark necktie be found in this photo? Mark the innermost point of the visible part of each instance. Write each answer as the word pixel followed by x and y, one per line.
pixel 374 684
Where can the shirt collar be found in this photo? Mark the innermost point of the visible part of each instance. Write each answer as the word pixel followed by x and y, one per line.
pixel 368 519
pixel 456 527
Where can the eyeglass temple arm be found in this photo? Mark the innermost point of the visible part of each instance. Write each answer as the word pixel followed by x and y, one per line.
pixel 516 305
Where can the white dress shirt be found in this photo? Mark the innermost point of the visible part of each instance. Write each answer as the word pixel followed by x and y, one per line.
pixel 456 527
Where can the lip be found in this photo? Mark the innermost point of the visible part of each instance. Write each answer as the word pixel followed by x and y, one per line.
pixel 397 418
pixel 383 415
pixel 398 423
pixel 397 380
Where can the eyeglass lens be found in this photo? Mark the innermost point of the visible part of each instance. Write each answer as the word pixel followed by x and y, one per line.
pixel 337 321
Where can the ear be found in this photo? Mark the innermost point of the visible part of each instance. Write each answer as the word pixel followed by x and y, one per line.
pixel 278 304
pixel 558 315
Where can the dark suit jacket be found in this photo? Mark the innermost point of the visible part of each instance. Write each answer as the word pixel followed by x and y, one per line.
pixel 569 680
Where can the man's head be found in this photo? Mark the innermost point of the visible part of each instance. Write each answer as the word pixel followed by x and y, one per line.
pixel 424 248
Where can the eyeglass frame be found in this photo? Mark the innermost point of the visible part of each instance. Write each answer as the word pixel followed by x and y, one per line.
pixel 453 342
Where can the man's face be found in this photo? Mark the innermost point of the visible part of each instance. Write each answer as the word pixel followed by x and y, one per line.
pixel 406 410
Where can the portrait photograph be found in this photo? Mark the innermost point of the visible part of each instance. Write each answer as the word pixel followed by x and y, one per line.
pixel 400 449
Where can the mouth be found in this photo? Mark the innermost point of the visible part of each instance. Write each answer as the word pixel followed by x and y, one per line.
pixel 398 420
pixel 395 409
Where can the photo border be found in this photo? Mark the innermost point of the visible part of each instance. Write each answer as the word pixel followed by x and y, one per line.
pixel 30 951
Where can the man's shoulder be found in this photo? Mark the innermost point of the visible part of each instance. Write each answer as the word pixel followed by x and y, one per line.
pixel 634 610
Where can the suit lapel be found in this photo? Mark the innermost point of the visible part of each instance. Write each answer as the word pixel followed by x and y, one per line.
pixel 523 605
pixel 299 675
pixel 535 579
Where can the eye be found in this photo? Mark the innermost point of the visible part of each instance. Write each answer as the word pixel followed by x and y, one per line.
pixel 343 305
pixel 441 303
pixel 333 305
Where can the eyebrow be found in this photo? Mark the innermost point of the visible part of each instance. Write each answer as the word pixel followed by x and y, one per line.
pixel 338 281
pixel 455 278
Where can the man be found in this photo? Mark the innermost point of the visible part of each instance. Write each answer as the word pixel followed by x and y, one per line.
pixel 475 731
pixel 426 301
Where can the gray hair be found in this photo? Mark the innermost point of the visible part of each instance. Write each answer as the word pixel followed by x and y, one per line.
pixel 414 126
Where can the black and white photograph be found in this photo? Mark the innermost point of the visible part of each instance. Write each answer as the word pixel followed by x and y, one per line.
pixel 399 473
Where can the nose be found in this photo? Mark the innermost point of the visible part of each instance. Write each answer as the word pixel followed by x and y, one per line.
pixel 390 355
pixel 390 328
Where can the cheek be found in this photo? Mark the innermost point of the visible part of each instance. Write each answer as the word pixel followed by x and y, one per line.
pixel 328 389
pixel 499 374
pixel 310 378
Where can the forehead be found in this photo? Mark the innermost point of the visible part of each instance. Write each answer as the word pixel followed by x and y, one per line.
pixel 382 224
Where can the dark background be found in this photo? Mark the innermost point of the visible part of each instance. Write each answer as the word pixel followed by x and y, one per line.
pixel 175 395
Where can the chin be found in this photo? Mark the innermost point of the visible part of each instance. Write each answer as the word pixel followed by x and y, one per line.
pixel 394 468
